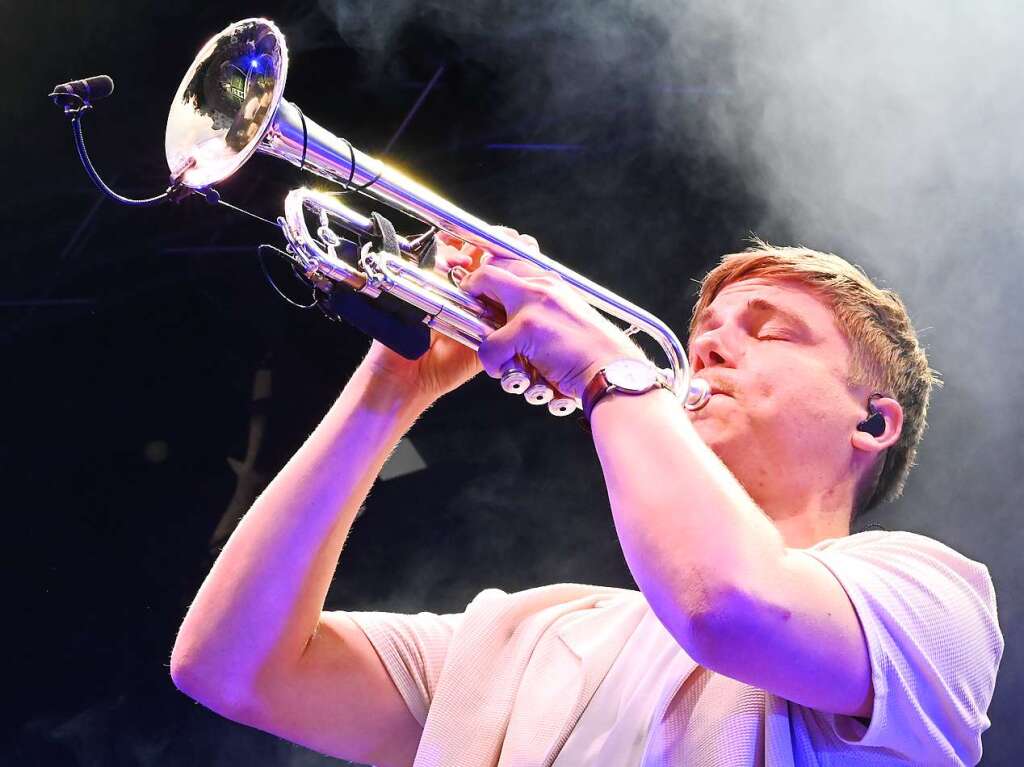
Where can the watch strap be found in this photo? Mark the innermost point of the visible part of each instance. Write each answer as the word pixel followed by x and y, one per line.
pixel 600 387
pixel 595 391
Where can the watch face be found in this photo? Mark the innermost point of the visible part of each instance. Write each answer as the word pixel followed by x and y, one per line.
pixel 631 375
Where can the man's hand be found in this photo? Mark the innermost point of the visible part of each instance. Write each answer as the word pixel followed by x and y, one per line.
pixel 447 364
pixel 549 324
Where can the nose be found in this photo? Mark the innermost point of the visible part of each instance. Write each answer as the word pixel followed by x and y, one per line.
pixel 709 350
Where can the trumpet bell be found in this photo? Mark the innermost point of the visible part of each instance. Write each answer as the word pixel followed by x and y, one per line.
pixel 226 102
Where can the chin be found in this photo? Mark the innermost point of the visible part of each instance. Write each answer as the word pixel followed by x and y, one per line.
pixel 721 434
pixel 714 432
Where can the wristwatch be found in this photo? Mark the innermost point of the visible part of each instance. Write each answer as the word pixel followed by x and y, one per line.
pixel 628 376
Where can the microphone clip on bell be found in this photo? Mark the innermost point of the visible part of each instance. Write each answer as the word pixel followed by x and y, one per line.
pixel 76 97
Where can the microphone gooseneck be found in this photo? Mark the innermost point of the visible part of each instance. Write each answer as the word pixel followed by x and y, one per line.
pixel 76 98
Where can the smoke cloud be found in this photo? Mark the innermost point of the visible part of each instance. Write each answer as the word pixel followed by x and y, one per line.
pixel 884 132
pixel 888 132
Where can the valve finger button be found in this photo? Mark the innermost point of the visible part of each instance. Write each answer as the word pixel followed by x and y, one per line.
pixel 562 406
pixel 514 380
pixel 539 394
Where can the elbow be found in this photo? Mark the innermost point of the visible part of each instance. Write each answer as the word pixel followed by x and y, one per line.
pixel 714 623
pixel 704 638
pixel 212 688
pixel 206 672
pixel 187 672
pixel 184 678
pixel 190 679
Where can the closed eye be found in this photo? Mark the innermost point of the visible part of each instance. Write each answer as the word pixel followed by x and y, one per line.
pixel 773 334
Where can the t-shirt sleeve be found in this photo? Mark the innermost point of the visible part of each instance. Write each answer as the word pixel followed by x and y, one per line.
pixel 413 649
pixel 929 616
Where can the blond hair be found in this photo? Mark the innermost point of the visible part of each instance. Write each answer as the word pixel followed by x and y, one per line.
pixel 886 354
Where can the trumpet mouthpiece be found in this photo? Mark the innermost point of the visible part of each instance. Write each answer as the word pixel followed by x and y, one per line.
pixel 699 394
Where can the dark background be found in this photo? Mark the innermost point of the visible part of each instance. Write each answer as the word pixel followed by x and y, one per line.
pixel 143 349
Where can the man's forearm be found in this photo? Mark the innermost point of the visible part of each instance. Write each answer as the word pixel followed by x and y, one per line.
pixel 690 533
pixel 262 599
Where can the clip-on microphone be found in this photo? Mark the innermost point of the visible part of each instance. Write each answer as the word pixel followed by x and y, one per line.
pixel 76 97
pixel 79 94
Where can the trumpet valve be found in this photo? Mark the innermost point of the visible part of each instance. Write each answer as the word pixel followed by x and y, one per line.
pixel 514 380
pixel 539 393
pixel 562 406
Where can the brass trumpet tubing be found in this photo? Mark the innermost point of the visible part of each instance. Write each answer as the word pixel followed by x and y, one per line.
pixel 420 288
pixel 230 105
pixel 317 203
pixel 452 311
pixel 306 249
pixel 435 284
pixel 304 143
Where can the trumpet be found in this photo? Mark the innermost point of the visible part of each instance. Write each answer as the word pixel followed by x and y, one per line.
pixel 230 106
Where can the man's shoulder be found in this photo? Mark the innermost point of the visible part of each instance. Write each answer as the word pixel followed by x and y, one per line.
pixel 878 537
pixel 931 625
pixel 902 549
pixel 905 540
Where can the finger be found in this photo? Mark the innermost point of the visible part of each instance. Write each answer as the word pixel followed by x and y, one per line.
pixel 498 352
pixel 498 285
pixel 517 266
pixel 506 231
pixel 526 240
pixel 447 256
pixel 531 242
pixel 458 258
pixel 469 253
pixel 478 256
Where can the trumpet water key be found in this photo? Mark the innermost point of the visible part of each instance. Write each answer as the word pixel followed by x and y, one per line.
pixel 230 105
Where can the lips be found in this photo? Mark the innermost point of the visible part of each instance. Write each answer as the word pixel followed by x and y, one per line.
pixel 717 387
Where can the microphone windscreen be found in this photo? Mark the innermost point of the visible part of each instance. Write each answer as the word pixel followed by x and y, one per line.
pixel 86 89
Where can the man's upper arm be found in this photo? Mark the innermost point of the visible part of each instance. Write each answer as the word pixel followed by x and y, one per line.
pixel 341 699
pixel 796 635
pixel 913 625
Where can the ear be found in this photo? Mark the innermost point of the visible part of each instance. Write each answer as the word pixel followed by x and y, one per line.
pixel 892 412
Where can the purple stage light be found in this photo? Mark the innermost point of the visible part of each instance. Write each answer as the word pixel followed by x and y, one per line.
pixel 537 147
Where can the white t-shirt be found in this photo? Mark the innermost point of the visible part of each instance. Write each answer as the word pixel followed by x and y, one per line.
pixel 714 720
pixel 616 726
pixel 928 613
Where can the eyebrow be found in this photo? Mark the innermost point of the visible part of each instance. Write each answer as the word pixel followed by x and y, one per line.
pixel 758 305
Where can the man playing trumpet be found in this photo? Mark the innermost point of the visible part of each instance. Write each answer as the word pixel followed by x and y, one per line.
pixel 762 631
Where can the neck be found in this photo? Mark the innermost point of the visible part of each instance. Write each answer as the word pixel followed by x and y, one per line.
pixel 804 519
